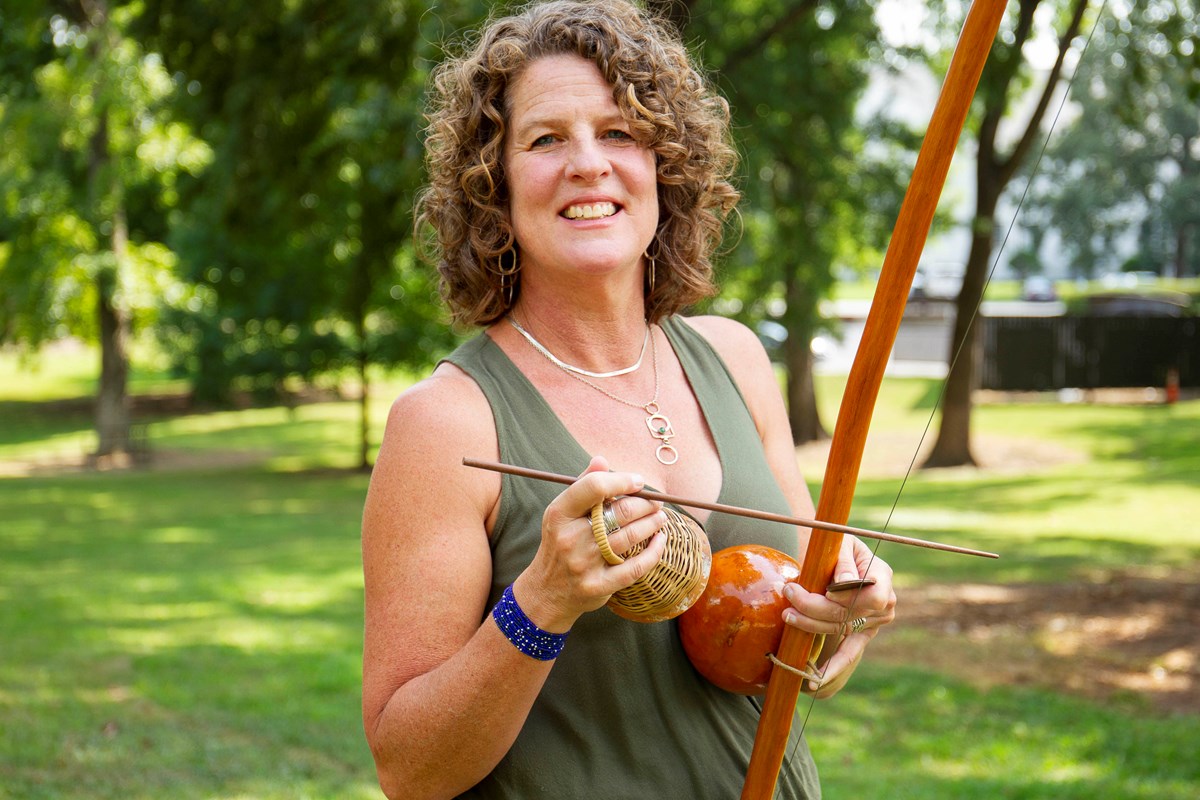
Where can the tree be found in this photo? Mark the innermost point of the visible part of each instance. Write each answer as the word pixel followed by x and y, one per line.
pixel 1130 161
pixel 88 166
pixel 1004 81
pixel 313 112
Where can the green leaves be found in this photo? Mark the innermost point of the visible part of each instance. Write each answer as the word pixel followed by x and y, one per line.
pixel 1128 165
pixel 88 147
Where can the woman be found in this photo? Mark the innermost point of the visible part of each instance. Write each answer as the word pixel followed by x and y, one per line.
pixel 578 185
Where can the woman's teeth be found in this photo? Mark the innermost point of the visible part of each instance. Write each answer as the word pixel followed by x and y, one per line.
pixel 593 211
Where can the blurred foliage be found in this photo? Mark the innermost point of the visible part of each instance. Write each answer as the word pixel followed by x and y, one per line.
pixel 300 230
pixel 85 139
pixel 287 148
pixel 821 185
pixel 1130 159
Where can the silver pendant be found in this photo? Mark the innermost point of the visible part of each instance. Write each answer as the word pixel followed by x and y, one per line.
pixel 660 428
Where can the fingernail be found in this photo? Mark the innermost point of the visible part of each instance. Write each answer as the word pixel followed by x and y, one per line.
pixel 638 481
pixel 813 686
pixel 789 591
pixel 791 617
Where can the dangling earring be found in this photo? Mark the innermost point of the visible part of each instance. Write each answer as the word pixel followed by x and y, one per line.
pixel 508 277
pixel 650 271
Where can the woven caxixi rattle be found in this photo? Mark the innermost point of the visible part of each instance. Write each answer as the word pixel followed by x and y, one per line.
pixel 675 582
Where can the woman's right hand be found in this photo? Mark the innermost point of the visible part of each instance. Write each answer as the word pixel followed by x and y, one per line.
pixel 568 577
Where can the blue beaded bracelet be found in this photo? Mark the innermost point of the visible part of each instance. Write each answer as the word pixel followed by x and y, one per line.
pixel 524 635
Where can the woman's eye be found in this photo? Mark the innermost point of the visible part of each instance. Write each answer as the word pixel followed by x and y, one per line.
pixel 541 141
pixel 617 134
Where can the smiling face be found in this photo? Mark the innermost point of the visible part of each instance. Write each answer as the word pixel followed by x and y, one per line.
pixel 583 195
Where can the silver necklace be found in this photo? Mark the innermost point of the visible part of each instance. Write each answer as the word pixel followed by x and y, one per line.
pixel 580 370
pixel 657 422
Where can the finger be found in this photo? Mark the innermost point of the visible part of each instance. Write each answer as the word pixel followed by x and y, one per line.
pixel 884 588
pixel 847 566
pixel 878 600
pixel 637 531
pixel 639 565
pixel 877 604
pixel 594 485
pixel 626 509
pixel 812 612
pixel 834 675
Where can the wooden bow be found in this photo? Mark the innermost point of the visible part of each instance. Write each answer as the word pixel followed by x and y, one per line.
pixel 866 375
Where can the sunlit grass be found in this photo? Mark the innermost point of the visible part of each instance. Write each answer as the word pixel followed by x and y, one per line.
pixel 1009 289
pixel 189 635
pixel 45 417
pixel 904 733
pixel 70 370
pixel 1129 495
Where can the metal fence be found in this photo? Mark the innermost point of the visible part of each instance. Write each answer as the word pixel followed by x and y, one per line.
pixel 1088 352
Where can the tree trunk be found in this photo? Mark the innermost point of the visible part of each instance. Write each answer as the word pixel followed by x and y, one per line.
pixel 953 446
pixel 112 400
pixel 364 403
pixel 799 319
pixel 993 172
pixel 801 392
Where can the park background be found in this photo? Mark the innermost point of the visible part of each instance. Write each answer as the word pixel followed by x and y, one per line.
pixel 209 294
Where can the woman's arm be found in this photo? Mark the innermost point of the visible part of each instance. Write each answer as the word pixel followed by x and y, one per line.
pixel 431 672
pixel 444 696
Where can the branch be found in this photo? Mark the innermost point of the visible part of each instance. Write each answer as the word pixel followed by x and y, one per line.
pixel 1032 130
pixel 756 44
pixel 1000 75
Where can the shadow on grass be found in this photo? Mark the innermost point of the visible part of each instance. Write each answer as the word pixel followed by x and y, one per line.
pixel 1166 439
pixel 191 722
pixel 309 429
pixel 929 396
pixel 24 422
pixel 1168 444
pixel 198 635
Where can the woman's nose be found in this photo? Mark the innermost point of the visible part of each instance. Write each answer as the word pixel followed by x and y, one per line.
pixel 587 160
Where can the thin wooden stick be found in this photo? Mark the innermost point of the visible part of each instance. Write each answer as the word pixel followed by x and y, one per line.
pixel 537 474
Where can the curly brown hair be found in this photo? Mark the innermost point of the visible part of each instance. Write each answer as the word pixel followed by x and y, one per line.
pixel 461 213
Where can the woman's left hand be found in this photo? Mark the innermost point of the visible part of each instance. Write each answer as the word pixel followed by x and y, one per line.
pixel 856 614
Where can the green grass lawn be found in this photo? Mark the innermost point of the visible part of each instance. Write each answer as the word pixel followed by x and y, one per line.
pixel 181 635
pixel 196 632
pixel 1129 497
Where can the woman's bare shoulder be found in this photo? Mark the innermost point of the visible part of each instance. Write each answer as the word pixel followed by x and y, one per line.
pixel 431 427
pixel 447 398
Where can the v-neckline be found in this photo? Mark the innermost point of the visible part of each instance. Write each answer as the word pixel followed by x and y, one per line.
pixel 582 452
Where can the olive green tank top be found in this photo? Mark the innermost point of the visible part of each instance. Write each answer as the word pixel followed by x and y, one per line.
pixel 623 715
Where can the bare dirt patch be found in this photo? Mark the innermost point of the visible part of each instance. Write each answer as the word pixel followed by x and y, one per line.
pixel 890 455
pixel 1135 632
pixel 52 464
